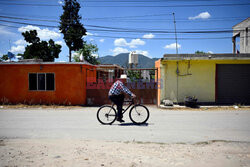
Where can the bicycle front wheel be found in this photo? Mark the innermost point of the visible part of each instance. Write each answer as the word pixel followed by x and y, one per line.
pixel 139 114
pixel 106 115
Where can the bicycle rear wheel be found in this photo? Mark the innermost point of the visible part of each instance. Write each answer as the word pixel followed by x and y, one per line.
pixel 139 114
pixel 106 115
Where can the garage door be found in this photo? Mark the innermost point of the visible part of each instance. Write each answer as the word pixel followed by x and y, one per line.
pixel 233 83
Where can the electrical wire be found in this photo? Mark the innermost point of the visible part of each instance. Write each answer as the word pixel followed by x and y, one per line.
pixel 114 29
pixel 127 37
pixel 95 26
pixel 137 6
pixel 171 6
pixel 115 1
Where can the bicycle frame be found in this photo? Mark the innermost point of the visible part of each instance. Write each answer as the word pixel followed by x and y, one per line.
pixel 130 104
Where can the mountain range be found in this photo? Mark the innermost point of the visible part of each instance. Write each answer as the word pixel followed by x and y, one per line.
pixel 122 60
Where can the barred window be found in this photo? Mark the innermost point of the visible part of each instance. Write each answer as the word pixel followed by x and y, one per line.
pixel 42 81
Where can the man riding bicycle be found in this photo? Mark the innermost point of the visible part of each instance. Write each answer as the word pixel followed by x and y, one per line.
pixel 116 95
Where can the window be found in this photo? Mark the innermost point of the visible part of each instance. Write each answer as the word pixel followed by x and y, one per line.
pixel 50 81
pixel 42 81
pixel 32 81
pixel 247 36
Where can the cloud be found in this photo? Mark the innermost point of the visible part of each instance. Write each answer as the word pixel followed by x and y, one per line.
pixel 203 15
pixel 62 43
pixel 95 55
pixel 101 40
pixel 143 52
pixel 89 34
pixel 21 42
pixel 43 34
pixel 210 52
pixel 119 50
pixel 133 44
pixel 20 48
pixel 60 2
pixel 17 49
pixel 120 42
pixel 148 36
pixel 172 46
pixel 3 31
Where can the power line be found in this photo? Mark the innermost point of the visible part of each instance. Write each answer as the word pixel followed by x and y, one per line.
pixel 152 0
pixel 30 19
pixel 107 1
pixel 95 26
pixel 115 37
pixel 144 20
pixel 127 37
pixel 165 32
pixel 104 36
pixel 116 29
pixel 28 4
pixel 164 21
pixel 152 6
pixel 28 24
pixel 171 6
pixel 119 17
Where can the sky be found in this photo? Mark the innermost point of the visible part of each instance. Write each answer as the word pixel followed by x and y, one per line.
pixel 121 26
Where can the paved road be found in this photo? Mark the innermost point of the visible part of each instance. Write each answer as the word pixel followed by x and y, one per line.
pixel 168 126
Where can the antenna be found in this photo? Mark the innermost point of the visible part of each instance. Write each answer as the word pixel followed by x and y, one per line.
pixel 9 44
pixel 176 45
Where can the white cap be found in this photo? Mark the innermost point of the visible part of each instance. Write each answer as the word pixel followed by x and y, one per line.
pixel 123 76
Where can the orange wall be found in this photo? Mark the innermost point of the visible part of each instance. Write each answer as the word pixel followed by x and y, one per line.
pixel 70 84
pixel 157 66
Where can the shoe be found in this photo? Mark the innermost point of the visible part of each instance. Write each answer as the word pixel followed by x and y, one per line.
pixel 120 120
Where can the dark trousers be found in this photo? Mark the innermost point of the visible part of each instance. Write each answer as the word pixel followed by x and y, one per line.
pixel 118 100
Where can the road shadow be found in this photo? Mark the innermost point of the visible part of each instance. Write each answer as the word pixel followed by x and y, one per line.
pixel 132 124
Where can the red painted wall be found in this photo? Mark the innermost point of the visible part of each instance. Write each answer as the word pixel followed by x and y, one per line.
pixel 70 83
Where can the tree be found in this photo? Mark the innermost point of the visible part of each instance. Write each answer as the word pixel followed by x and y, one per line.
pixel 4 58
pixel 200 52
pixel 134 75
pixel 88 51
pixel 47 51
pixel 71 27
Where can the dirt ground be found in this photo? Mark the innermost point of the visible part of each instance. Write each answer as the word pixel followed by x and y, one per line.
pixel 62 152
pixel 53 152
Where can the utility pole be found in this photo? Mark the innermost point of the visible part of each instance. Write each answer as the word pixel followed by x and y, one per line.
pixel 176 45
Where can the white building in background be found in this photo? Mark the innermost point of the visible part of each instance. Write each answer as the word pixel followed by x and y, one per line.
pixel 241 30
pixel 133 59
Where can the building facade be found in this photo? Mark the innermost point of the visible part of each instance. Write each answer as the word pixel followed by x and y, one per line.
pixel 44 83
pixel 241 31
pixel 211 78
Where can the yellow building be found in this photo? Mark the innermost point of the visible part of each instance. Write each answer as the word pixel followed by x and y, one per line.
pixel 211 78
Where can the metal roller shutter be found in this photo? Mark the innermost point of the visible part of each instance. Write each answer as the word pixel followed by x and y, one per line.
pixel 233 83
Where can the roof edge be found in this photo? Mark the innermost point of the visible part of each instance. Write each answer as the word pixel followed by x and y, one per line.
pixel 241 22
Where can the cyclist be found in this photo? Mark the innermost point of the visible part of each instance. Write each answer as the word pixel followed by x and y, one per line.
pixel 116 95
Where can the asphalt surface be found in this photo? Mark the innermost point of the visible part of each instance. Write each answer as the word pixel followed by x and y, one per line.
pixel 165 126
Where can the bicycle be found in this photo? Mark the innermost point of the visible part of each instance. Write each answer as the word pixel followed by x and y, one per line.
pixel 138 114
